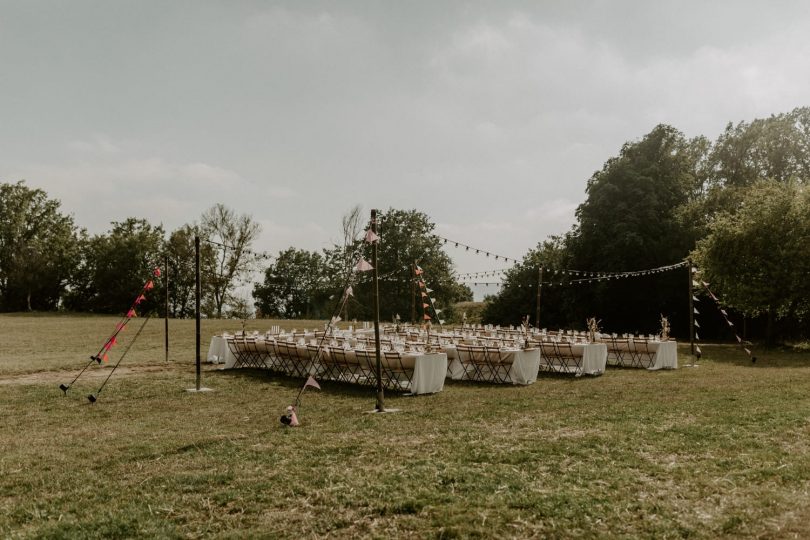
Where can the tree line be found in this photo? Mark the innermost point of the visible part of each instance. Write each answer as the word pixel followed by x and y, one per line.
pixel 738 207
pixel 48 263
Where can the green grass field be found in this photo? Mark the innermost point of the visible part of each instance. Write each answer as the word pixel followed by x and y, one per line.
pixel 722 450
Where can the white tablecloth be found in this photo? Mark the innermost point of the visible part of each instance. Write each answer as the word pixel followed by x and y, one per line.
pixel 220 353
pixel 594 357
pixel 525 364
pixel 666 355
pixel 429 372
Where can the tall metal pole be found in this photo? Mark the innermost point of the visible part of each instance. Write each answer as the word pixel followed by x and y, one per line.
pixel 539 290
pixel 166 317
pixel 197 301
pixel 413 293
pixel 691 309
pixel 376 275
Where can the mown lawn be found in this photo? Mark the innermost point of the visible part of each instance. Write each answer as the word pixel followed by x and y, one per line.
pixel 721 450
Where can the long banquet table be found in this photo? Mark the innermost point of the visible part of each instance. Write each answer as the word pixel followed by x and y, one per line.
pixel 427 377
pixel 523 370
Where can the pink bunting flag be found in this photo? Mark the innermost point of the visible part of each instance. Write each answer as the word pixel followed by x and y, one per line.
pixel 312 382
pixel 105 357
pixel 156 273
pixel 363 266
pixel 424 295
pixel 108 346
pixel 140 299
pixel 120 326
pixel 149 285
pixel 131 313
pixel 418 271
pixel 113 341
pixel 425 305
pixel 371 237
pixel 421 284
pixel 427 317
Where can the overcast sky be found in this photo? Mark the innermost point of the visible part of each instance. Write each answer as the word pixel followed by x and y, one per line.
pixel 488 116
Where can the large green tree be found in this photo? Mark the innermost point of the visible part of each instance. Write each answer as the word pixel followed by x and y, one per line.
pixel 231 262
pixel 406 238
pixel 294 287
pixel 115 266
pixel 757 257
pixel 39 249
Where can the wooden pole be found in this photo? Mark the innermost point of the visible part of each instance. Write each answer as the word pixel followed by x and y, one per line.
pixel 197 302
pixel 691 309
pixel 166 318
pixel 413 293
pixel 539 290
pixel 376 275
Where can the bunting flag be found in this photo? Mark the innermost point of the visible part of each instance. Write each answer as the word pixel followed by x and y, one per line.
pixel 696 311
pixel 421 284
pixel 724 313
pixel 105 358
pixel 418 271
pixel 428 290
pixel 427 317
pixel 336 319
pixel 363 266
pixel 425 305
pixel 437 311
pixel 371 237
pixel 131 313
pixel 140 299
pixel 312 382
pixel 424 295
pixel 149 285
pixel 156 273
pixel 349 291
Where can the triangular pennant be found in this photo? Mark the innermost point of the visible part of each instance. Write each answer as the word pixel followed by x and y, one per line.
pixel 105 357
pixel 705 284
pixel 140 299
pixel 697 349
pixel 421 284
pixel 363 266
pixel 425 305
pixel 747 350
pixel 739 339
pixel 723 311
pixel 424 295
pixel 349 291
pixel 697 336
pixel 441 321
pixel 696 311
pixel 429 290
pixel 437 311
pixel 730 323
pixel 697 324
pixel 371 237
pixel 335 319
pixel 695 298
pixel 131 313
pixel 427 317
pixel 149 285
pixel 695 283
pixel 312 382
pixel 156 273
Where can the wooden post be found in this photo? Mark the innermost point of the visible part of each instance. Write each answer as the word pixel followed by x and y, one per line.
pixel 197 302
pixel 380 407
pixel 166 318
pixel 691 309
pixel 539 290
